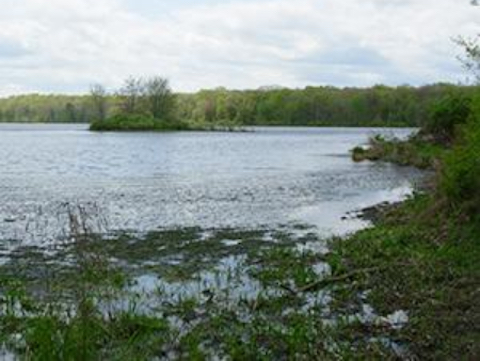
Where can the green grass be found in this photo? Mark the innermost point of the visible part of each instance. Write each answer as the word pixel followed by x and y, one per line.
pixel 429 265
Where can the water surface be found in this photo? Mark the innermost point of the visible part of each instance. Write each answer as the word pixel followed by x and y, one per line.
pixel 145 181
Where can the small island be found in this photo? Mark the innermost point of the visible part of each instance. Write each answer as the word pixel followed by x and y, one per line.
pixel 140 105
pixel 137 122
pixel 144 104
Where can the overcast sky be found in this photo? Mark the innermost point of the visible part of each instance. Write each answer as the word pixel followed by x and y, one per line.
pixel 63 46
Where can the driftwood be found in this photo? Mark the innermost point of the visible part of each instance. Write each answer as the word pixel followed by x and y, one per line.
pixel 340 278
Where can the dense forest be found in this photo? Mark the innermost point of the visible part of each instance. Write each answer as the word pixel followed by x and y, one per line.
pixel 45 109
pixel 314 106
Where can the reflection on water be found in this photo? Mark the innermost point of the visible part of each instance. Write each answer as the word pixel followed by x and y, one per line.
pixel 143 181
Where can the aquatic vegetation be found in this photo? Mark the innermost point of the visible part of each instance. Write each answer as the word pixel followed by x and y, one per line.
pixel 112 297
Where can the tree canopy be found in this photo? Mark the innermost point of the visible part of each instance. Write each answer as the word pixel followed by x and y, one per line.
pixel 313 106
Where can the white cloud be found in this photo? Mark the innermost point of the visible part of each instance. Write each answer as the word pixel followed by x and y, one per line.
pixel 57 45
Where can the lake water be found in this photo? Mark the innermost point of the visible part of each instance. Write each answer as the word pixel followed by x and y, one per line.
pixel 144 181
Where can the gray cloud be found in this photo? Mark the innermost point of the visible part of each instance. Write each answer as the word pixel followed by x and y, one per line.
pixel 12 49
pixel 63 46
pixel 354 56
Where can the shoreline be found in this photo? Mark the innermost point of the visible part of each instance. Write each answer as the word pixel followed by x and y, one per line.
pixel 385 292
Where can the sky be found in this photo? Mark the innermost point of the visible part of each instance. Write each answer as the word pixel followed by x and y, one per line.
pixel 60 46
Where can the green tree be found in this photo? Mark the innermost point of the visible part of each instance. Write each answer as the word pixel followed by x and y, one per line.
pixel 159 97
pixel 447 115
pixel 98 97
pixel 130 95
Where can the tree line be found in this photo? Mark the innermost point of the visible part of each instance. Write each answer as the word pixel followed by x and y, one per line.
pixel 317 106
pixel 45 108
pixel 153 99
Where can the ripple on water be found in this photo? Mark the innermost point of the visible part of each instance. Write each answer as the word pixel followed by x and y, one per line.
pixel 211 180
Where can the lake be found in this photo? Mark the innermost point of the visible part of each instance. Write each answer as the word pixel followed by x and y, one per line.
pixel 194 224
pixel 144 181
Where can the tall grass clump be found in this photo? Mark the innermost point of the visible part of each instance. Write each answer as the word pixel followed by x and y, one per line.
pixel 82 318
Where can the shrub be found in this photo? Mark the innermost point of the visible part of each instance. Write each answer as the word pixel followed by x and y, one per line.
pixel 447 114
pixel 124 122
pixel 136 122
pixel 460 178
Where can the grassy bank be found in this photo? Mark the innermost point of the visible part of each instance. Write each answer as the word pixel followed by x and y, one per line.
pixel 417 151
pixel 444 128
pixel 426 261
pixel 424 255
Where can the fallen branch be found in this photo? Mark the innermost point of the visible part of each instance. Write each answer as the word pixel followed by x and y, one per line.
pixel 340 278
pixel 287 288
pixel 344 277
